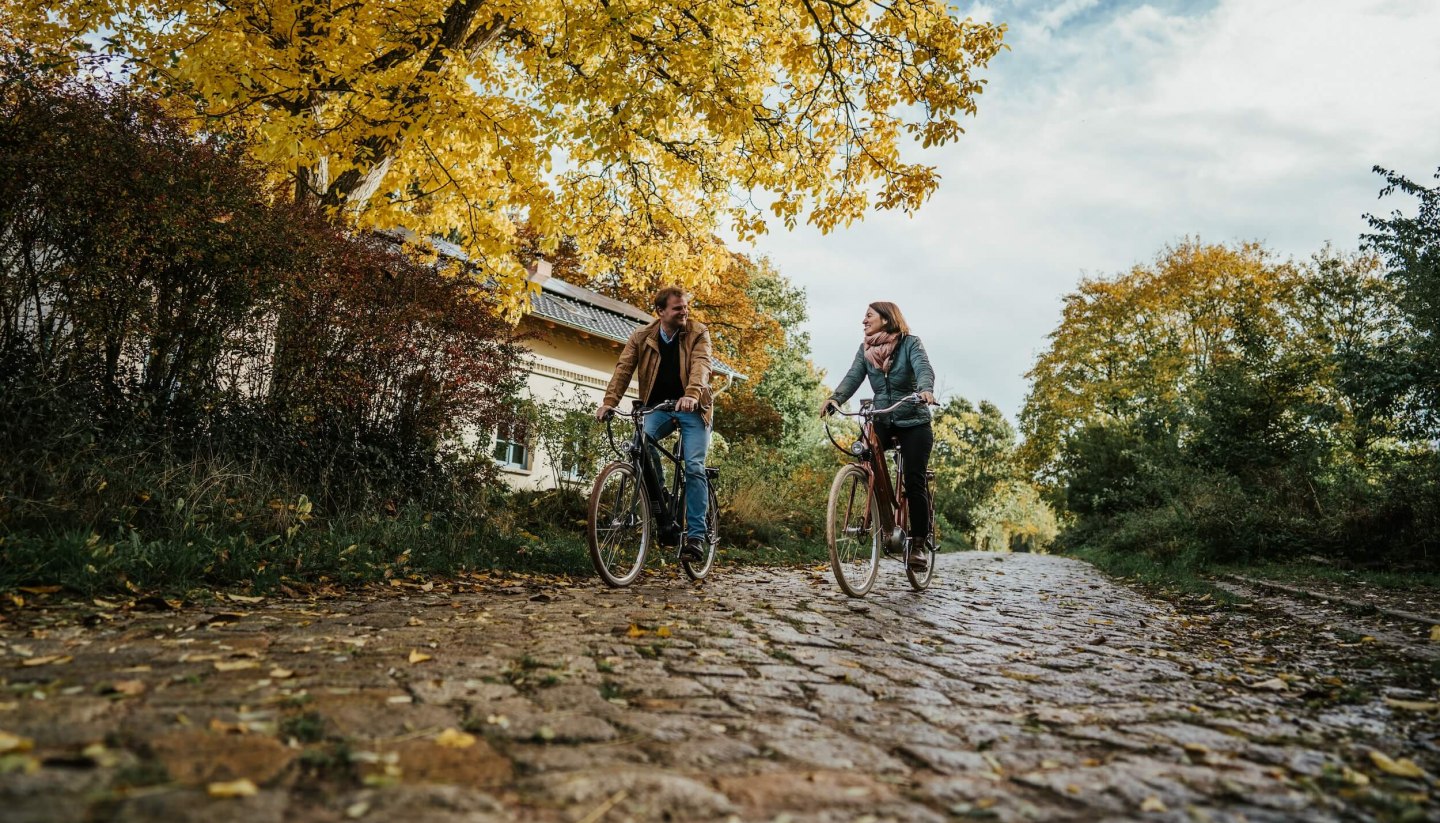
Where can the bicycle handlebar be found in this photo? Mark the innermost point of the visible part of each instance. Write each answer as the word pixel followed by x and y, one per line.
pixel 640 411
pixel 871 411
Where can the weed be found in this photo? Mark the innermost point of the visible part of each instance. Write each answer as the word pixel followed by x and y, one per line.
pixel 306 728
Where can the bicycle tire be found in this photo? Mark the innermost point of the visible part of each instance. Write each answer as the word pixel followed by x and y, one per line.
pixel 850 533
pixel 920 580
pixel 618 528
pixel 698 571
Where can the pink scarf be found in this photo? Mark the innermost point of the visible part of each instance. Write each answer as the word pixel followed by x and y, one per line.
pixel 880 349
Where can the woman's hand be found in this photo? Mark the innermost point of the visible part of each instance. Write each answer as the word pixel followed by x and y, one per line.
pixel 828 407
pixel 929 398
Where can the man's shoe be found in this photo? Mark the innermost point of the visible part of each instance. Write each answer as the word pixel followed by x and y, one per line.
pixel 918 562
pixel 694 550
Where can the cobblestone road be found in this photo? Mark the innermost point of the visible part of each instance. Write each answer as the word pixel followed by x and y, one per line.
pixel 1019 688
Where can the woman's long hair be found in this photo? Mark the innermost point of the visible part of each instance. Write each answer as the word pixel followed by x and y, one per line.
pixel 894 320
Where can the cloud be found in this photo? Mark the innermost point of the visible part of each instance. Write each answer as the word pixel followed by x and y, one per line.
pixel 1112 129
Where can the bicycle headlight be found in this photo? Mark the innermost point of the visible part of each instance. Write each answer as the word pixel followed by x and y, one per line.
pixel 857 448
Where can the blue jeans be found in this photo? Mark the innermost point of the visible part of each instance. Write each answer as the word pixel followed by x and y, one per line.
pixel 694 444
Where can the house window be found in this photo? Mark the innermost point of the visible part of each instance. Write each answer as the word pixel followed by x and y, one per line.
pixel 511 451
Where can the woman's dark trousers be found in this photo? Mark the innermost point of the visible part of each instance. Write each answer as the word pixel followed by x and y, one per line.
pixel 915 445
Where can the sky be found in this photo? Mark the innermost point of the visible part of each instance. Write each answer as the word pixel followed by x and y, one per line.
pixel 1110 130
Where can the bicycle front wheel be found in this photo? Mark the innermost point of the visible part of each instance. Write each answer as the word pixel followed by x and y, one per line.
pixel 698 569
pixel 850 531
pixel 618 529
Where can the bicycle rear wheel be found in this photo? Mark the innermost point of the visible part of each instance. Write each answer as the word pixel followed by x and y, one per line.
pixel 697 571
pixel 618 529
pixel 850 532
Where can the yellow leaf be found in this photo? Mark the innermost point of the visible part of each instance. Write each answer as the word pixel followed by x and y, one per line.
pixel 281 674
pixel 1153 804
pixel 57 659
pixel 235 665
pixel 129 688
pixel 1403 767
pixel 1435 634
pixel 240 598
pixel 1023 676
pixel 14 743
pixel 234 788
pixel 636 631
pixel 1412 705
pixel 1274 684
pixel 418 657
pixel 455 739
pixel 663 631
pixel 40 589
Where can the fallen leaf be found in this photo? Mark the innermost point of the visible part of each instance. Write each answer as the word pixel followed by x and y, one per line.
pixel 1024 676
pixel 418 657
pixel 14 743
pixel 1153 804
pixel 40 589
pixel 1412 705
pixel 636 631
pixel 1353 777
pixel 234 788
pixel 129 688
pixel 235 665
pixel 281 674
pixel 455 739
pixel 224 727
pixel 663 631
pixel 1435 634
pixel 56 659
pixel 1404 767
pixel 1274 684
pixel 240 598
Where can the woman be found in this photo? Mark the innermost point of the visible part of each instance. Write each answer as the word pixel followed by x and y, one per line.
pixel 897 366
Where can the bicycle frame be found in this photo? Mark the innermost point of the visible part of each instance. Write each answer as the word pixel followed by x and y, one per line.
pixel 888 493
pixel 640 450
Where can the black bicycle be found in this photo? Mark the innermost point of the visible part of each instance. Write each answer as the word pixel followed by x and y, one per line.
pixel 631 506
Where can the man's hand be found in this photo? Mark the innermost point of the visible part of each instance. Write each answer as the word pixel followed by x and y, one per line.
pixel 604 411
pixel 929 398
pixel 686 404
pixel 829 407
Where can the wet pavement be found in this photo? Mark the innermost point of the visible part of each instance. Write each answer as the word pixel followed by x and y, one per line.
pixel 1020 687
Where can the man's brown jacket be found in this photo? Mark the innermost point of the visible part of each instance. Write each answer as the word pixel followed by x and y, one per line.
pixel 642 354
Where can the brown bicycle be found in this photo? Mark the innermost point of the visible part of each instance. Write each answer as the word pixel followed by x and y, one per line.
pixel 867 517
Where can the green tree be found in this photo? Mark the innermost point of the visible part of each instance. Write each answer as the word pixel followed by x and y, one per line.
pixel 1410 247
pixel 974 456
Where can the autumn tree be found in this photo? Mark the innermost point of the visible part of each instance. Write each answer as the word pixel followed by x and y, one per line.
pixel 1129 348
pixel 1223 404
pixel 974 454
pixel 637 129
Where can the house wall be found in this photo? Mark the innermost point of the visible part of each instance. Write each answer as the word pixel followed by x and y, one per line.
pixel 564 361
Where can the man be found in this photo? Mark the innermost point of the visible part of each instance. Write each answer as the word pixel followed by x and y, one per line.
pixel 672 356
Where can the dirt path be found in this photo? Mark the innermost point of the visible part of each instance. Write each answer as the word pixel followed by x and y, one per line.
pixel 1021 687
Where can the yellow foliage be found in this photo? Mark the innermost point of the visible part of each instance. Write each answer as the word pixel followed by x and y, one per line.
pixel 635 128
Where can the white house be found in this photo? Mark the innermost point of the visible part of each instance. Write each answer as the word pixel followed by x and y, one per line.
pixel 575 336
